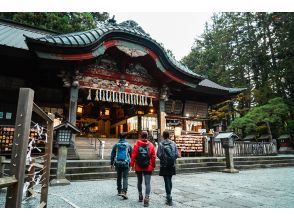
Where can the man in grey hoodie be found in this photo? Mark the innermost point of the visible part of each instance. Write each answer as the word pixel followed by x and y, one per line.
pixel 167 153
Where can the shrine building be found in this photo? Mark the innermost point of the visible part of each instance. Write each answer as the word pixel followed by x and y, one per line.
pixel 106 80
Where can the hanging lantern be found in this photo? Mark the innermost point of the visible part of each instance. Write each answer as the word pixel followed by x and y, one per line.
pixel 89 95
pixel 96 96
pixel 151 104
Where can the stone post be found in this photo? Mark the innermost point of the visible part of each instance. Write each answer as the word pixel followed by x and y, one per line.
pixel 61 168
pixel 229 161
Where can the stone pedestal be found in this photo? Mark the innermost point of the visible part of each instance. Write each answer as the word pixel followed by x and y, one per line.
pixel 229 161
pixel 61 168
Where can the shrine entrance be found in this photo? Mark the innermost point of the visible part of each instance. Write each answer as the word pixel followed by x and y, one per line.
pixel 108 117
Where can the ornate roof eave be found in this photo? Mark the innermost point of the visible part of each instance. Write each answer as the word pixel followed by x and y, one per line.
pixel 53 44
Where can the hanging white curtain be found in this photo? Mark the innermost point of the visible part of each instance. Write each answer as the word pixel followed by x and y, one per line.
pixel 96 96
pixel 89 95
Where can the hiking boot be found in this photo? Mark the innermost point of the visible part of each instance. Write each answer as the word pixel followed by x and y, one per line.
pixel 169 201
pixel 124 195
pixel 146 201
pixel 140 197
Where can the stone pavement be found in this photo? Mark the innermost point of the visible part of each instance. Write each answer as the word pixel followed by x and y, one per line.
pixel 260 188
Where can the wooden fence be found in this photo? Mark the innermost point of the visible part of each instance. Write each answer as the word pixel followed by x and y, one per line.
pixel 15 181
pixel 242 148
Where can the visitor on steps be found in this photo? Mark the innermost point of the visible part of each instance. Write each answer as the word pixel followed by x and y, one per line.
pixel 143 162
pixel 120 159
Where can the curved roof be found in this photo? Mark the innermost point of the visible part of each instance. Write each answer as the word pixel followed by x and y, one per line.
pixel 90 39
pixel 21 36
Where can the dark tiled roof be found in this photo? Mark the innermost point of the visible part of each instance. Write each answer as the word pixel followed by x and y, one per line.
pixel 12 34
pixel 211 84
pixel 86 38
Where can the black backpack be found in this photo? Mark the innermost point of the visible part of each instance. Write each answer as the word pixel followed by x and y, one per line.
pixel 143 157
pixel 168 156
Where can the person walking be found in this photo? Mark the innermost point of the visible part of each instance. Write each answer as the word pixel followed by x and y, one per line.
pixel 167 153
pixel 120 159
pixel 143 162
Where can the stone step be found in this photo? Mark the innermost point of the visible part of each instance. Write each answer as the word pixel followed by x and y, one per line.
pixel 87 170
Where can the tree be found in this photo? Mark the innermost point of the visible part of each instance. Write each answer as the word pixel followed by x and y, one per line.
pixel 272 114
pixel 64 22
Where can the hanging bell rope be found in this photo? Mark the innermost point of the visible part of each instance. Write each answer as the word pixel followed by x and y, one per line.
pixel 89 95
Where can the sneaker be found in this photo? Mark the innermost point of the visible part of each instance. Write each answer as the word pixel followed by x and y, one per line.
pixel 141 197
pixel 124 195
pixel 146 201
pixel 119 193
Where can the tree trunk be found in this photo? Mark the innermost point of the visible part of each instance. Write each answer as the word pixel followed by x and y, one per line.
pixel 269 131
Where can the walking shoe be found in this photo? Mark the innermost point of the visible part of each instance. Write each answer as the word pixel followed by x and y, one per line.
pixel 146 201
pixel 119 193
pixel 140 197
pixel 124 195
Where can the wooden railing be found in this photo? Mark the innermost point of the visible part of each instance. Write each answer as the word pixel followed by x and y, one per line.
pixel 15 180
pixel 242 148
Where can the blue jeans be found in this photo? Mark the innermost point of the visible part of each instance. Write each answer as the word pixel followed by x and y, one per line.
pixel 122 176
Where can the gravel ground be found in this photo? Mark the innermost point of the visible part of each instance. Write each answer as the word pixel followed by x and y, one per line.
pixel 260 188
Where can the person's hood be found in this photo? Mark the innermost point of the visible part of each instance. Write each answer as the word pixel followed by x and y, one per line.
pixel 142 142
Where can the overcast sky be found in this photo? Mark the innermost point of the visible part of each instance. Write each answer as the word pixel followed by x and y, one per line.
pixel 176 30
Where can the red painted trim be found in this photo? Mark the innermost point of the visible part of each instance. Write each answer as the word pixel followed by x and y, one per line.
pixel 110 43
pixel 82 56
pixel 152 54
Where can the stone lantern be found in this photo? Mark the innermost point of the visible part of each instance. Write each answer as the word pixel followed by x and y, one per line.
pixel 64 133
pixel 227 140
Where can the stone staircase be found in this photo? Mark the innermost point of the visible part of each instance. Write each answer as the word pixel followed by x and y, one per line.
pixel 100 169
pixel 85 149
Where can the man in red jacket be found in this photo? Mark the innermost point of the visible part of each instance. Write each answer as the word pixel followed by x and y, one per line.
pixel 143 162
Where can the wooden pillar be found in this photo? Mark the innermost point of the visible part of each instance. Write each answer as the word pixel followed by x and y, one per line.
pixel 47 161
pixel 161 118
pixel 73 102
pixel 20 146
pixel 139 125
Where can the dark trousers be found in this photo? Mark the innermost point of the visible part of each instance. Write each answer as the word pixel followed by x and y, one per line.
pixel 168 184
pixel 122 176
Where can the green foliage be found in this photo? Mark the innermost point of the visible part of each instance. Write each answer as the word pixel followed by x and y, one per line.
pixel 258 118
pixel 252 50
pixel 64 22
